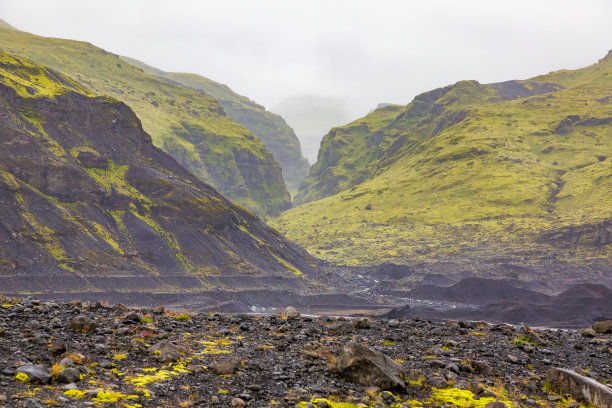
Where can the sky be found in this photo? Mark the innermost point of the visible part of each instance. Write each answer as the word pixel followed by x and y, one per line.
pixel 357 52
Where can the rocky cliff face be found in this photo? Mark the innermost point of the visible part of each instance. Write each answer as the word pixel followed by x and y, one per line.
pixel 190 126
pixel 270 128
pixel 88 203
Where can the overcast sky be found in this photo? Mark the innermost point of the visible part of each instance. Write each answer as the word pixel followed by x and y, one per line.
pixel 363 52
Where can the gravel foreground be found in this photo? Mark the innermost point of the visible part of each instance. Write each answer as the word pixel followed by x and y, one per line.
pixel 88 354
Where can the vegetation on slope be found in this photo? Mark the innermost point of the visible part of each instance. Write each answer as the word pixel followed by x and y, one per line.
pixel 270 128
pixel 87 203
pixel 184 122
pixel 520 169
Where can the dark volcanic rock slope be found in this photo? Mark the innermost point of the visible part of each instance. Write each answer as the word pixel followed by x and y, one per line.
pixel 189 125
pixel 87 203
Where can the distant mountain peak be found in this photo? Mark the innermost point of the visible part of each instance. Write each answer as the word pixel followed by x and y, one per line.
pixel 608 57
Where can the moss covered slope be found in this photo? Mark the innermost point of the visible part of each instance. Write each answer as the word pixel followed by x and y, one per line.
pixel 270 128
pixel 520 169
pixel 190 126
pixel 88 203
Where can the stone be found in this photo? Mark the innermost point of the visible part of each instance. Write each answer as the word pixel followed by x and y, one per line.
pixel 496 404
pixel 339 327
pixel 479 366
pixel 512 359
pixel 36 373
pixel 133 318
pixel 361 323
pixel 581 388
pixel 83 324
pixel 238 402
pixel 57 349
pixel 69 375
pixel 138 344
pixel 289 313
pixel 604 327
pixel 437 382
pixel 66 362
pixel 226 367
pixel 588 332
pixel 362 365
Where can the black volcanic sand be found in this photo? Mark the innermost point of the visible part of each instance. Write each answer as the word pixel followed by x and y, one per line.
pixel 501 301
pixel 278 361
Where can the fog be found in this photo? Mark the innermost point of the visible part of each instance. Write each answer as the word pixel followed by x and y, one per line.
pixel 359 53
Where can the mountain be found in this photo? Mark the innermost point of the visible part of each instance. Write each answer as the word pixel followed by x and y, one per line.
pixel 190 126
pixel 513 177
pixel 270 128
pixel 311 116
pixel 89 205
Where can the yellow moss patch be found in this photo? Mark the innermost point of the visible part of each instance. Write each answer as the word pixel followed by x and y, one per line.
pixel 113 396
pixel 22 377
pixel 74 394
pixel 120 356
pixel 459 398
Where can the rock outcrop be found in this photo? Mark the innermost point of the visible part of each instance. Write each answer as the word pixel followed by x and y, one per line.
pixel 581 388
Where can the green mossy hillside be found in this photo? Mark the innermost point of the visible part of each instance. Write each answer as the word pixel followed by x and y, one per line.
pixel 270 128
pixel 190 126
pixel 89 204
pixel 519 170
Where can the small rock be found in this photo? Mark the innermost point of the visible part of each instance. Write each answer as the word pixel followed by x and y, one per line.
pixel 226 367
pixel 69 375
pixel 496 404
pixel 133 318
pixel 588 332
pixel 83 324
pixel 512 359
pixel 238 402
pixel 554 398
pixel 138 344
pixel 437 382
pixel 57 349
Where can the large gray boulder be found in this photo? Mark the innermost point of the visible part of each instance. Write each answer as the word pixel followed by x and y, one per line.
pixel 581 388
pixel 36 373
pixel 362 365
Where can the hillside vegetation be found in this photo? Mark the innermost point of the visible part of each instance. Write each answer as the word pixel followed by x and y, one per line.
pixel 192 127
pixel 519 171
pixel 270 128
pixel 89 205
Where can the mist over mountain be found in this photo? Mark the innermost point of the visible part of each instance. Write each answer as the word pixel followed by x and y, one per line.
pixel 311 117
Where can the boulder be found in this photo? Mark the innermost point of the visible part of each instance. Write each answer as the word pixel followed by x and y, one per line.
pixel 603 327
pixel 36 373
pixel 581 388
pixel 362 365
pixel 289 313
